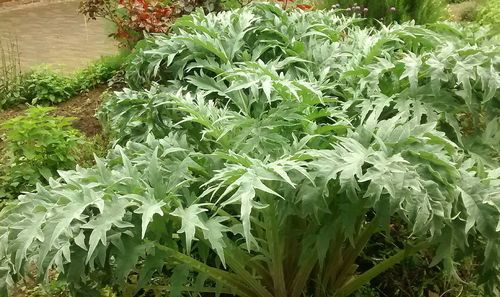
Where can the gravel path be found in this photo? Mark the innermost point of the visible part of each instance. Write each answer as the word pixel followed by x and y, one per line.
pixel 55 34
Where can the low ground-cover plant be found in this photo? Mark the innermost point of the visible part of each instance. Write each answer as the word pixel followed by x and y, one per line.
pixel 51 289
pixel 262 152
pixel 43 85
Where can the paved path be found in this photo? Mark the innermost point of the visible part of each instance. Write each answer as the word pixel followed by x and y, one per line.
pixel 55 34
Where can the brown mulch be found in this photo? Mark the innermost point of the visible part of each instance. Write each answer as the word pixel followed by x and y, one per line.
pixel 11 112
pixel 28 286
pixel 82 107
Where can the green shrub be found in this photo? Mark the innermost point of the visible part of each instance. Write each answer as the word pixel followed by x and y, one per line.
pixel 42 85
pixel 99 72
pixel 489 14
pixel 37 145
pixel 422 11
pixel 261 152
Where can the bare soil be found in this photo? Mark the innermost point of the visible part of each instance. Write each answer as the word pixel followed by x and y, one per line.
pixel 28 287
pixel 83 107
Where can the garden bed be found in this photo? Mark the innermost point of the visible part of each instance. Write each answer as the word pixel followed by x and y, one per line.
pixel 83 107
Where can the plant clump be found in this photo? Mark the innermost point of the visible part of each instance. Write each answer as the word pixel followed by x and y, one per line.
pixel 37 145
pixel 44 86
pixel 133 18
pixel 260 152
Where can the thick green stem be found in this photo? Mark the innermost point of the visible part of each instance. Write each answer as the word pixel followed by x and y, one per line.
pixel 357 282
pixel 247 278
pixel 234 258
pixel 259 271
pixel 275 244
pixel 303 274
pixel 333 262
pixel 227 279
pixel 351 256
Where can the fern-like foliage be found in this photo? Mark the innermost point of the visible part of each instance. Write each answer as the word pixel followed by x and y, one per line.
pixel 259 151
